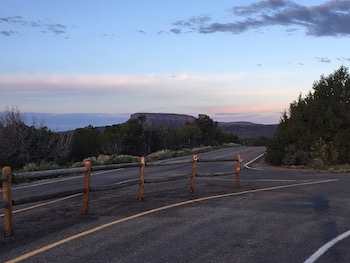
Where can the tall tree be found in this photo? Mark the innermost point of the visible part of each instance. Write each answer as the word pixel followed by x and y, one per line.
pixel 85 143
pixel 322 117
pixel 21 144
pixel 111 140
pixel 14 134
pixel 133 137
pixel 209 128
pixel 189 135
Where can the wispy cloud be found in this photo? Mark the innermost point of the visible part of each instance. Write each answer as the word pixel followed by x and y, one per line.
pixel 323 59
pixel 331 18
pixel 343 59
pixel 20 22
pixel 8 33
pixel 161 85
pixel 219 96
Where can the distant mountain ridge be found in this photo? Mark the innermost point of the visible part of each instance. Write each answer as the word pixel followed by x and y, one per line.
pixel 172 119
pixel 248 130
pixel 242 129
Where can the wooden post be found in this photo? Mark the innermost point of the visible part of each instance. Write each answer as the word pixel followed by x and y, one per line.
pixel 194 172
pixel 7 198
pixel 142 179
pixel 85 202
pixel 238 170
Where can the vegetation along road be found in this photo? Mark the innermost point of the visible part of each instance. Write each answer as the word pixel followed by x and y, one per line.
pixel 275 216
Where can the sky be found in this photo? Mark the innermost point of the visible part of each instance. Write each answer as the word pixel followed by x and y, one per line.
pixel 75 63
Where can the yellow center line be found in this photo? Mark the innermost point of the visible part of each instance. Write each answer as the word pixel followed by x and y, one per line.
pixel 101 227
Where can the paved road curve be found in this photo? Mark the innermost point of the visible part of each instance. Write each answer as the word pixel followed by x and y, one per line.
pixel 276 216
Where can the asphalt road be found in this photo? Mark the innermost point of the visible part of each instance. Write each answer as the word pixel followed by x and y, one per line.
pixel 275 216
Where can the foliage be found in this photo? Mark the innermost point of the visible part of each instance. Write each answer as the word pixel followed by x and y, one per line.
pixel 85 142
pixel 132 137
pixel 21 144
pixel 294 156
pixel 30 167
pixel 261 141
pixel 35 148
pixel 317 127
pixel 189 135
pixel 111 140
pixel 209 129
pixel 108 159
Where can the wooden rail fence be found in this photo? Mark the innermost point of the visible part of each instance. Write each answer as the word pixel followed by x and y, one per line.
pixel 8 178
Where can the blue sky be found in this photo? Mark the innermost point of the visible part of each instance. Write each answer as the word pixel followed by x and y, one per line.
pixel 232 60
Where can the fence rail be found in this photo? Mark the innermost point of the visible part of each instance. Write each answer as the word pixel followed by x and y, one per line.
pixel 47 174
pixel 8 177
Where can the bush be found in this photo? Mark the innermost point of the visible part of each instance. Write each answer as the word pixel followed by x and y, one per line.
pixel 293 156
pixel 31 167
pixel 318 164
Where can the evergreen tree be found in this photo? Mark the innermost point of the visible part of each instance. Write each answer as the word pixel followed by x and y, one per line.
pixel 85 143
pixel 111 140
pixel 318 122
pixel 132 132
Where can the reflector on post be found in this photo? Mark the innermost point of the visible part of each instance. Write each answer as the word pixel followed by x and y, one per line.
pixel 194 172
pixel 238 170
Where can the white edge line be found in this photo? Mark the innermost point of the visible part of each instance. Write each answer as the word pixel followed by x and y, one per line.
pixel 326 246
pixel 251 168
pixel 42 204
pixel 112 223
